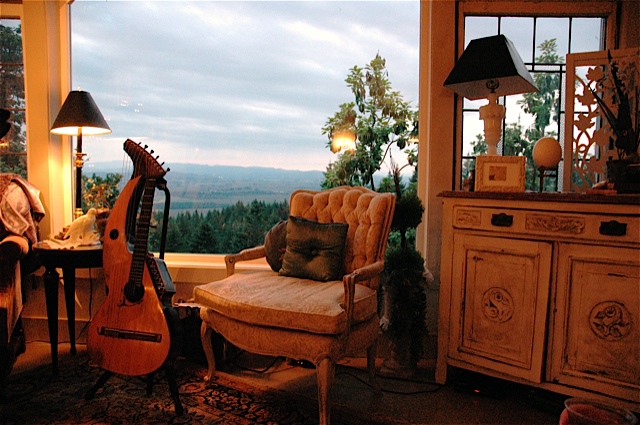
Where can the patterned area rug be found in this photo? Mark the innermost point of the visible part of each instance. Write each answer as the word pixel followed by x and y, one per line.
pixel 39 398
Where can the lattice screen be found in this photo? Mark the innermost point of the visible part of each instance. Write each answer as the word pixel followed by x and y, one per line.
pixel 587 135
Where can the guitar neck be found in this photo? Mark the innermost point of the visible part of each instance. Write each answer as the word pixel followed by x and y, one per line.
pixel 140 247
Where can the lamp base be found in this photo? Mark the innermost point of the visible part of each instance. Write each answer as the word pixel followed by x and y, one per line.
pixel 492 114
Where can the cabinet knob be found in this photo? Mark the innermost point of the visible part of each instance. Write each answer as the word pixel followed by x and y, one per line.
pixel 613 228
pixel 502 220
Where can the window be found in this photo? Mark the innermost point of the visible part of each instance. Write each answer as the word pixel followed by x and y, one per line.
pixel 542 43
pixel 13 146
pixel 233 97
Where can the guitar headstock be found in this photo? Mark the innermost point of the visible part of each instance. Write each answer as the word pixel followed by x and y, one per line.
pixel 144 163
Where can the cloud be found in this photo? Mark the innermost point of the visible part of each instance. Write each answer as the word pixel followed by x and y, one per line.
pixel 234 82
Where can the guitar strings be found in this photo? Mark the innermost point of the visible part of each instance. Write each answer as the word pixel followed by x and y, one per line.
pixel 126 169
pixel 128 172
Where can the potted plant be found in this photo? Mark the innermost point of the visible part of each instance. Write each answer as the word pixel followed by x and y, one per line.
pixel 404 287
pixel 617 94
pixel 100 193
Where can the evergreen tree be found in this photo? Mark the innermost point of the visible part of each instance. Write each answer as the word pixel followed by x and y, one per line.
pixel 12 98
pixel 204 240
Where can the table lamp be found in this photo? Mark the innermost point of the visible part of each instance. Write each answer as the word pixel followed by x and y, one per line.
pixel 490 67
pixel 79 115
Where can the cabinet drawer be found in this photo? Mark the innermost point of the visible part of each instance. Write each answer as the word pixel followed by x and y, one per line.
pixel 580 226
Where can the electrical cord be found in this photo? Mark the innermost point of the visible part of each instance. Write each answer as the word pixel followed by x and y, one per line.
pixel 435 386
pixel 86 325
pixel 234 362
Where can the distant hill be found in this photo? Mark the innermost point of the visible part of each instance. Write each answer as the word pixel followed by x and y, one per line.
pixel 204 187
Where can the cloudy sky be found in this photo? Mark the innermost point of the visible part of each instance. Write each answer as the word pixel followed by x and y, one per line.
pixel 233 82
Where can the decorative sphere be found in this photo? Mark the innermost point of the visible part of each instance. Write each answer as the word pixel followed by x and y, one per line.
pixel 547 153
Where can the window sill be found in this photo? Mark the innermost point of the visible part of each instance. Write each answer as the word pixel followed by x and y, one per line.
pixel 204 268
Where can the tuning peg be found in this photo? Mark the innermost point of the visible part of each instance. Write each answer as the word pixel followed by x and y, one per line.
pixel 151 151
pixel 146 146
pixel 168 169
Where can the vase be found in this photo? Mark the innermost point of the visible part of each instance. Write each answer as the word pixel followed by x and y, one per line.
pixel 624 174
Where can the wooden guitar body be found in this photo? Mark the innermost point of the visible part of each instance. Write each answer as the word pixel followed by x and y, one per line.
pixel 129 334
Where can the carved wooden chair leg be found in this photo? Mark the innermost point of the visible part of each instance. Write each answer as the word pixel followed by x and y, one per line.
pixel 371 367
pixel 205 336
pixel 325 372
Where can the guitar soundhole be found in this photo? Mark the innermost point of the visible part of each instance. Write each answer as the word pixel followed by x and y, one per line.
pixel 113 234
pixel 133 292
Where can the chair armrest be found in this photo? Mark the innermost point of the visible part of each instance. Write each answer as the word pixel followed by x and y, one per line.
pixel 13 248
pixel 254 253
pixel 365 273
pixel 370 271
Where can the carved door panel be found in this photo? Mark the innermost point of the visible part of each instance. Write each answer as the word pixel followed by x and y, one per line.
pixel 596 329
pixel 499 304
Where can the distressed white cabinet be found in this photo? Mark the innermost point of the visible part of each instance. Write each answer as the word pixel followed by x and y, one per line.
pixel 544 290
pixel 596 332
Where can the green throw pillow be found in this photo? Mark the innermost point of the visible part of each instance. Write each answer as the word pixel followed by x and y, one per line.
pixel 314 250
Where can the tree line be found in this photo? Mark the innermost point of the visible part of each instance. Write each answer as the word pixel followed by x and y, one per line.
pixel 226 230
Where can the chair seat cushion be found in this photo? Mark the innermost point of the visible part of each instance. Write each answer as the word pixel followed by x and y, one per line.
pixel 268 299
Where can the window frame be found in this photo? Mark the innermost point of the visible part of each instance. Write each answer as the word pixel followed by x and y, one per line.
pixel 46 55
pixel 16 16
pixel 14 110
pixel 502 9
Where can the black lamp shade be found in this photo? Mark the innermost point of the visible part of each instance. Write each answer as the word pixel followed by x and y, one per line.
pixel 79 111
pixel 487 61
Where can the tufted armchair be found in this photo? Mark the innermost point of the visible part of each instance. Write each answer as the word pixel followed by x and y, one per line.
pixel 12 250
pixel 310 307
pixel 20 212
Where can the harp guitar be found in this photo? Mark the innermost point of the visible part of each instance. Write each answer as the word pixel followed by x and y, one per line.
pixel 130 333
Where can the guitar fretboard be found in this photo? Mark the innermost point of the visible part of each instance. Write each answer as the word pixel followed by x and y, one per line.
pixel 140 247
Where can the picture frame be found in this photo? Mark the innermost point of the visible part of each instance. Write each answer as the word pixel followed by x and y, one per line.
pixel 495 173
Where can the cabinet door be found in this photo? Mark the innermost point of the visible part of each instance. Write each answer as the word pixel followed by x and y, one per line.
pixel 596 327
pixel 500 291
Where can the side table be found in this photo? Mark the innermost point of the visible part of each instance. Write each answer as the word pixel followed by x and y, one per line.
pixel 68 260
